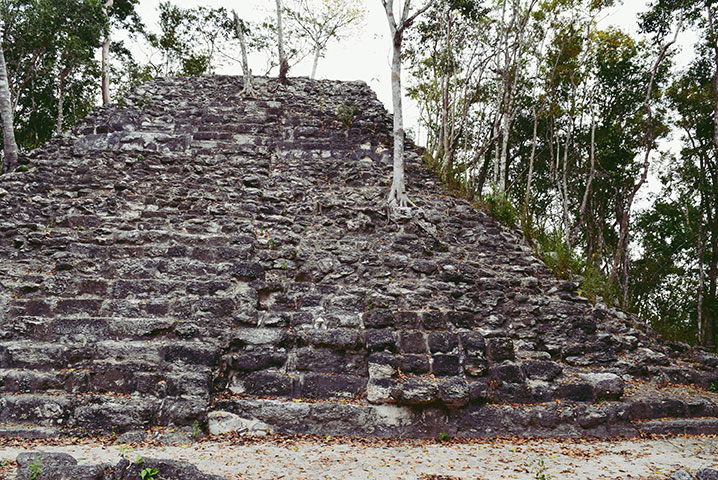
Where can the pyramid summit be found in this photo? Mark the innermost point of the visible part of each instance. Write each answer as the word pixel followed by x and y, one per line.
pixel 202 256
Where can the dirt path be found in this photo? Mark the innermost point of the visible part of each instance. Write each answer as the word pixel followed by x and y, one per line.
pixel 332 458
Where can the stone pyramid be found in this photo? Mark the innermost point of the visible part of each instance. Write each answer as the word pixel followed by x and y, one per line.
pixel 202 256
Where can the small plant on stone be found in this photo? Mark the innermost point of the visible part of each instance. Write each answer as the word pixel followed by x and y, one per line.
pixel 125 450
pixel 443 437
pixel 346 112
pixel 143 101
pixel 35 469
pixel 149 473
pixel 541 471
pixel 713 388
pixel 196 430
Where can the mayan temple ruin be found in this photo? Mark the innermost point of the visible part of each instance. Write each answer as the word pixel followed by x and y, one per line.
pixel 201 256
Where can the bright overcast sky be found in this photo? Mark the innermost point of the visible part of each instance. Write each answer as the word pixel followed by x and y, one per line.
pixel 366 55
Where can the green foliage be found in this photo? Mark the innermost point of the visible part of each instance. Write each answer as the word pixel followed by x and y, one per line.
pixel 444 437
pixel 540 473
pixel 35 469
pixel 188 40
pixel 196 430
pixel 713 388
pixel 50 48
pixel 451 177
pixel 149 473
pixel 596 285
pixel 127 73
pixel 346 113
pixel 499 207
pixel 126 452
pixel 558 255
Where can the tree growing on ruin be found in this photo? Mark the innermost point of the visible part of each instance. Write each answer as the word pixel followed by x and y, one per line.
pixel 283 62
pixel 9 144
pixel 397 27
pixel 321 21
pixel 240 30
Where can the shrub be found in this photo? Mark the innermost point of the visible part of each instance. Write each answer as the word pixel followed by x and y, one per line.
pixel 498 206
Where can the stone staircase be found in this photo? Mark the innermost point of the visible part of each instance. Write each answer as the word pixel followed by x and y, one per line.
pixel 201 256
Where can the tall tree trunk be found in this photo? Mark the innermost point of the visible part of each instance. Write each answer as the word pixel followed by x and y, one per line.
pixel 497 155
pixel 711 324
pixel 478 184
pixel 713 269
pixel 10 162
pixel 60 105
pixel 483 173
pixel 564 180
pixel 317 54
pixel 246 72
pixel 620 259
pixel 106 56
pixel 397 194
pixel 701 320
pixel 581 220
pixel 445 135
pixel 283 62
pixel 504 153
pixel 529 177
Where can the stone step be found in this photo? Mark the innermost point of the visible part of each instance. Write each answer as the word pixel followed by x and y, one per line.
pixel 565 420
pixel 122 326
pixel 103 379
pixel 99 413
pixel 155 355
pixel 29 431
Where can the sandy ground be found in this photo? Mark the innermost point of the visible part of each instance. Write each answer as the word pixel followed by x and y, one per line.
pixel 333 458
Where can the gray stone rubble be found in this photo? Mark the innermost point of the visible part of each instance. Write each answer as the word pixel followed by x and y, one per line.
pixel 61 466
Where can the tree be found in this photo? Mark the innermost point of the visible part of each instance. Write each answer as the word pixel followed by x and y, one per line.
pixel 76 37
pixel 449 54
pixel 675 276
pixel 513 42
pixel 240 29
pixel 283 62
pixel 106 56
pixel 323 20
pixel 659 19
pixel 49 48
pixel 116 12
pixel 397 194
pixel 9 145
pixel 188 40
